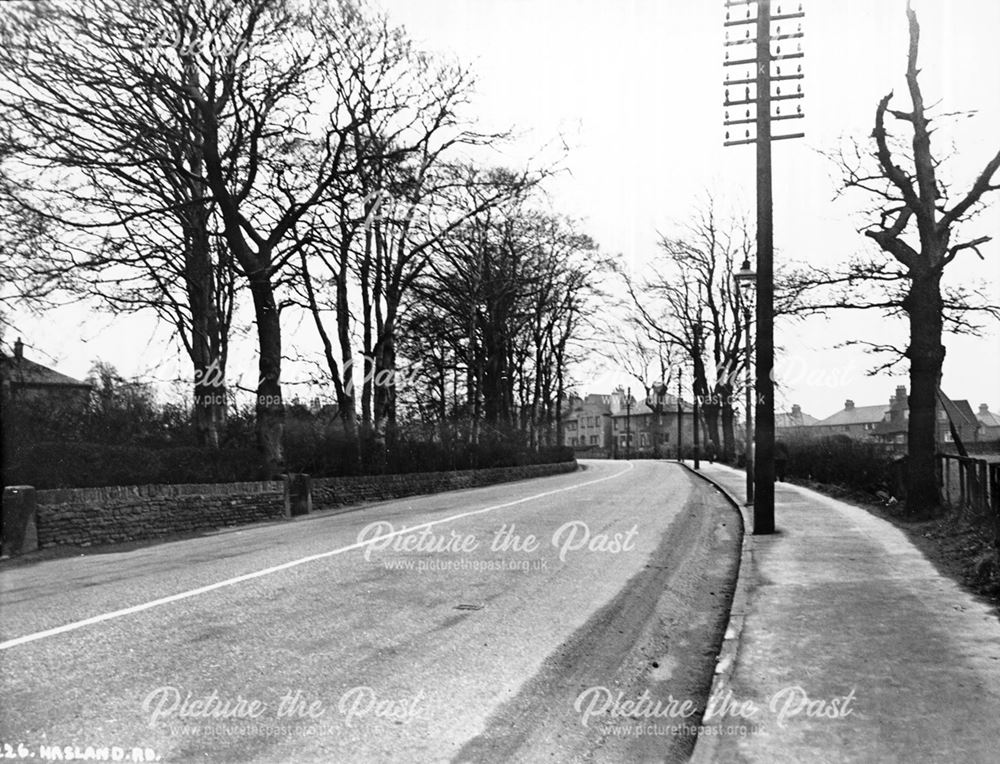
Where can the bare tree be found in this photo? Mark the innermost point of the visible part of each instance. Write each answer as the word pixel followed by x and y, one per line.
pixel 917 221
pixel 689 300
pixel 104 149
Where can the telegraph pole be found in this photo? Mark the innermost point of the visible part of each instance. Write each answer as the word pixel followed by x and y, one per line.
pixel 762 99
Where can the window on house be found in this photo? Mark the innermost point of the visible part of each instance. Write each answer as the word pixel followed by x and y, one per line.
pixel 593 440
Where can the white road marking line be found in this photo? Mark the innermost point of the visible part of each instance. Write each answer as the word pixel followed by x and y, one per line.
pixel 284 566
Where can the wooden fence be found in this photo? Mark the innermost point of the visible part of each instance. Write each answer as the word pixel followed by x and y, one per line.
pixel 971 486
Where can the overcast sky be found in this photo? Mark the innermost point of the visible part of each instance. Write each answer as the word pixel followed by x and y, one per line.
pixel 635 89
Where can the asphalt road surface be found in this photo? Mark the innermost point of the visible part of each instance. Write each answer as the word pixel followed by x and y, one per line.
pixel 569 618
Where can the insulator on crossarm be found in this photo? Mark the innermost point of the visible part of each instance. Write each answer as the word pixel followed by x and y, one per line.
pixel 800 88
pixel 799 108
pixel 747 93
pixel 727 95
pixel 778 110
pixel 727 135
pixel 779 90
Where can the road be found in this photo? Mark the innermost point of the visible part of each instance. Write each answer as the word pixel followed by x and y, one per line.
pixel 491 624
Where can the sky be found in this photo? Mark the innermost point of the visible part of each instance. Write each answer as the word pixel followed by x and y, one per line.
pixel 634 88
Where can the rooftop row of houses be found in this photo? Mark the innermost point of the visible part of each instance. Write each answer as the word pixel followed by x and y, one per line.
pixel 887 423
pixel 615 424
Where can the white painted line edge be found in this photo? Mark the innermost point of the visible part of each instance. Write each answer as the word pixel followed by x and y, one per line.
pixel 284 566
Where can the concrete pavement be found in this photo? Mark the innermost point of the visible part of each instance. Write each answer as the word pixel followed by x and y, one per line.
pixel 846 645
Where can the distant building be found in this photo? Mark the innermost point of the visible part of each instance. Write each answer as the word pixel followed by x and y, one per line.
pixel 858 422
pixel 792 424
pixel 990 424
pixel 894 430
pixel 27 382
pixel 612 425
pixel 587 423
pixel 650 426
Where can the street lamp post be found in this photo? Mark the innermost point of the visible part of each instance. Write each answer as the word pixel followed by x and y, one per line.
pixel 746 279
pixel 680 421
pixel 628 423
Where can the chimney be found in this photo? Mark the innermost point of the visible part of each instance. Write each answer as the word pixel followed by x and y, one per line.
pixel 984 409
pixel 901 394
pixel 18 349
pixel 796 411
pixel 849 404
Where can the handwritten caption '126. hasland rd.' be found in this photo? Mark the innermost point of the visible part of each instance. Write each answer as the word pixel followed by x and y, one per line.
pixel 574 536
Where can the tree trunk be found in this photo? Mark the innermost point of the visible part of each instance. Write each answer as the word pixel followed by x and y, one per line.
pixel 725 393
pixel 926 353
pixel 270 407
pixel 209 411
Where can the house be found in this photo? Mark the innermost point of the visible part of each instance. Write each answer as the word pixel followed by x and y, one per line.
pixel 894 430
pixel 650 426
pixel 26 382
pixel 587 423
pixel 858 422
pixel 794 423
pixel 990 424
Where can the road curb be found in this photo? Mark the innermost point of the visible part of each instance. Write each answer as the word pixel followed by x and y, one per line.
pixel 706 745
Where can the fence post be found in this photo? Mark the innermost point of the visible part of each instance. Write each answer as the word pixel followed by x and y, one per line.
pixel 947 479
pixel 984 496
pixel 298 495
pixel 961 484
pixel 18 526
pixel 995 502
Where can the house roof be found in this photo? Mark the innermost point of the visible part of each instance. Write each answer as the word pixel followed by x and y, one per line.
pixel 856 415
pixel 788 419
pixel 960 412
pixel 989 419
pixel 21 371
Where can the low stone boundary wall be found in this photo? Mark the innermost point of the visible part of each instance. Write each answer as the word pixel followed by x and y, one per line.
pixel 85 516
pixel 336 492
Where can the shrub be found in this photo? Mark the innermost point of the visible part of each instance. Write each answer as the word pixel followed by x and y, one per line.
pixel 841 460
pixel 86 465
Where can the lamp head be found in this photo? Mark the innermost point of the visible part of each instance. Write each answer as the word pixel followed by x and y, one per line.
pixel 746 277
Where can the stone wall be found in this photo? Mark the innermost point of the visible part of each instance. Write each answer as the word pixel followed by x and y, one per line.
pixel 336 492
pixel 85 516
